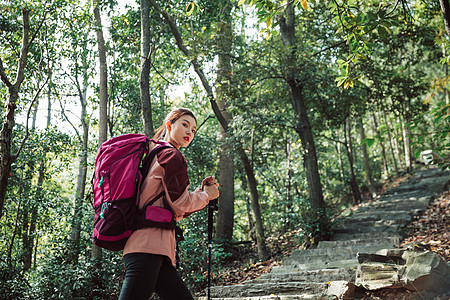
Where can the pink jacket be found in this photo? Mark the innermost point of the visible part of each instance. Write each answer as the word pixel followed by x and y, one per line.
pixel 168 171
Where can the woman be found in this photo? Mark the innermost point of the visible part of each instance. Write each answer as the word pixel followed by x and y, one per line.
pixel 149 254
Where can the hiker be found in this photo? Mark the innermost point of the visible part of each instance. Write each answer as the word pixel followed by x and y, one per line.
pixel 149 254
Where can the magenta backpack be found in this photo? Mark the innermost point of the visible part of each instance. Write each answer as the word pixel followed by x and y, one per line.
pixel 120 167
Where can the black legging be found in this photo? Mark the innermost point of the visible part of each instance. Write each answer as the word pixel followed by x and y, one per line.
pixel 146 273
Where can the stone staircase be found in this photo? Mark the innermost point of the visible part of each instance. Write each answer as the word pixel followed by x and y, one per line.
pixel 378 225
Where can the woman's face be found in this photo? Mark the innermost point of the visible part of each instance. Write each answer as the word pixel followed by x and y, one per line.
pixel 182 131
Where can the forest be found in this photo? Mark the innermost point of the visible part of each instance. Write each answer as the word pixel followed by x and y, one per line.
pixel 304 108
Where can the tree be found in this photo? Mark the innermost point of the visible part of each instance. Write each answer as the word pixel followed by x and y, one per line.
pixel 103 118
pixel 144 76
pixel 445 7
pixel 6 133
pixel 79 56
pixel 366 161
pixel 349 147
pixel 303 127
pixel 224 38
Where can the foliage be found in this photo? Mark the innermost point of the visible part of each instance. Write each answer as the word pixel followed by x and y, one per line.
pixel 377 61
pixel 436 139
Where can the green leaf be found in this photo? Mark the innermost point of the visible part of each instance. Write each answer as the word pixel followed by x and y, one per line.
pixel 241 2
pixel 382 32
pixel 368 141
pixel 437 119
pixel 418 151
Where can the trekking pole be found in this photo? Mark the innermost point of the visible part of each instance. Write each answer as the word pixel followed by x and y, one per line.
pixel 212 206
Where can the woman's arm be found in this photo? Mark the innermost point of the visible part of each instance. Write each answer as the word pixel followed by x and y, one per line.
pixel 176 184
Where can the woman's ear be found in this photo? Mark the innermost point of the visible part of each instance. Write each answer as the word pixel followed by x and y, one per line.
pixel 168 125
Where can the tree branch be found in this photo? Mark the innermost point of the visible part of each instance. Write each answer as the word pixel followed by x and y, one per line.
pixel 3 74
pixel 157 72
pixel 63 112
pixel 330 47
pixel 174 29
pixel 24 51
pixel 27 132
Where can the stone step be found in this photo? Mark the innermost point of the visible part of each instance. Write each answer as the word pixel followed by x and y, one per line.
pixel 317 265
pixel 323 275
pixel 337 250
pixel 279 297
pixel 374 226
pixel 425 183
pixel 410 198
pixel 383 214
pixel 362 221
pixel 404 194
pixel 364 235
pixel 377 218
pixel 369 228
pixel 393 207
pixel 393 241
pixel 264 289
pixel 330 254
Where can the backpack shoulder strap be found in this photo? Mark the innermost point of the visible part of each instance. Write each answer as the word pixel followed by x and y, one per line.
pixel 147 161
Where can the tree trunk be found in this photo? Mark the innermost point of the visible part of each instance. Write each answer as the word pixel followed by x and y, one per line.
pixel 263 253
pixel 30 233
pixel 103 86
pixel 407 147
pixel 251 223
pixel 26 259
pixel 399 146
pixel 49 98
pixel 36 245
pixel 366 161
pixel 444 54
pixel 6 158
pixel 406 140
pixel 225 215
pixel 303 127
pixel 341 162
pixel 391 144
pixel 349 147
pixel 38 197
pixel 445 7
pixel 82 172
pixel 16 229
pixel 144 75
pixel 97 253
pixel 290 175
pixel 383 148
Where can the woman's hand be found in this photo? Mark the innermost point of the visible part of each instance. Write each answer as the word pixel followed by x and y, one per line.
pixel 210 186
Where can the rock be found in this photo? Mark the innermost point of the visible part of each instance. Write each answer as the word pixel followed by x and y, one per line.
pixel 343 290
pixel 372 258
pixel 403 268
pixel 426 271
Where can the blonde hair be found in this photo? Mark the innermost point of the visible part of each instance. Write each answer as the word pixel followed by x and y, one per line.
pixel 174 115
